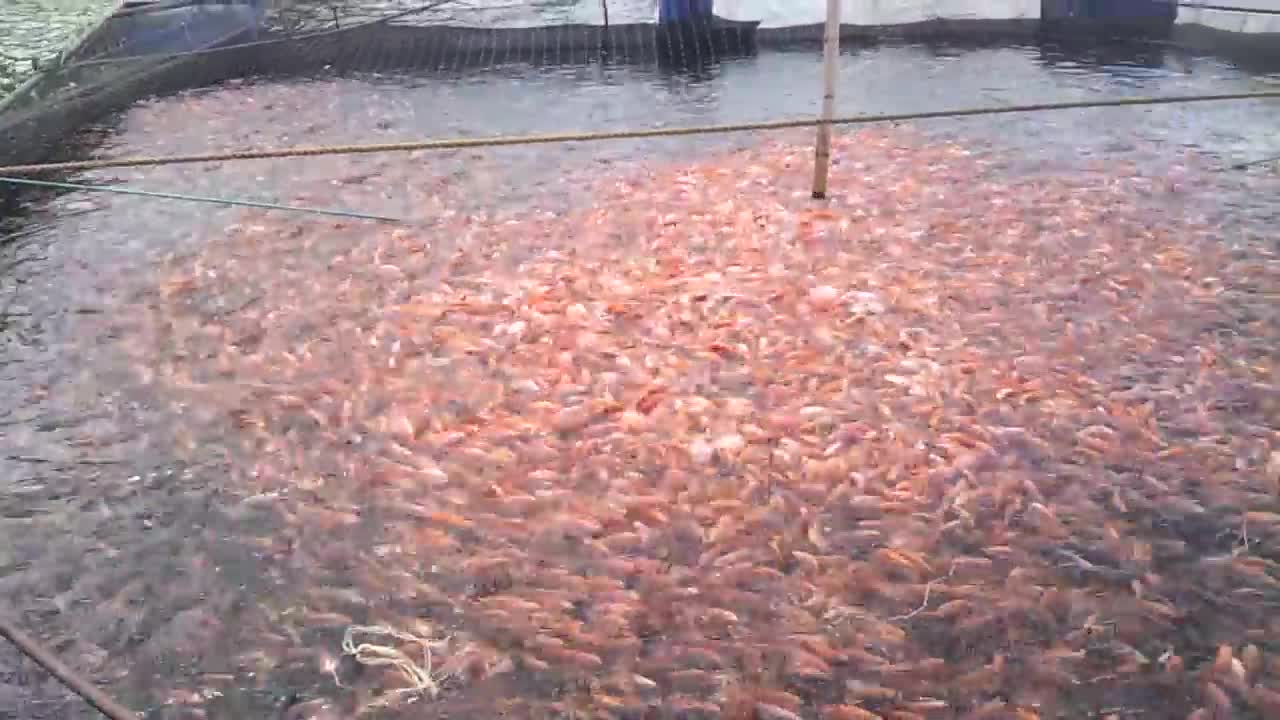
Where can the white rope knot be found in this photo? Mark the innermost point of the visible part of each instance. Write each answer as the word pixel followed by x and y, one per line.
pixel 420 675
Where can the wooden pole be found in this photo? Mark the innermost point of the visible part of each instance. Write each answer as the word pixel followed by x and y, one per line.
pixel 830 60
pixel 604 41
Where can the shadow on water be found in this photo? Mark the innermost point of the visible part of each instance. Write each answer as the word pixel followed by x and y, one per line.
pixel 1108 56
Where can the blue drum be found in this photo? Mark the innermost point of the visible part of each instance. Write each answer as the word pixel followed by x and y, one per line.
pixel 679 11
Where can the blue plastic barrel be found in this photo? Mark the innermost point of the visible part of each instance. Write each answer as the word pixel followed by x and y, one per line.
pixel 676 11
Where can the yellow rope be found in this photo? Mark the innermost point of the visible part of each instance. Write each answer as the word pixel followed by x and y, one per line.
pixel 500 141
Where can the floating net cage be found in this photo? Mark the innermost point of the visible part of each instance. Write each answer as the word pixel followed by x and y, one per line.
pixel 147 50
pixel 567 431
pixel 151 48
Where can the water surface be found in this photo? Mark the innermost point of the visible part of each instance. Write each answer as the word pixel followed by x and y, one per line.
pixel 35 31
pixel 127 536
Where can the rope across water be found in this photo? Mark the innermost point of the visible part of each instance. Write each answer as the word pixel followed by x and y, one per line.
pixel 506 140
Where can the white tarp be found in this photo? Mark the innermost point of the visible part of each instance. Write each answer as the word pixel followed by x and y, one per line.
pixel 783 13
pixel 1239 22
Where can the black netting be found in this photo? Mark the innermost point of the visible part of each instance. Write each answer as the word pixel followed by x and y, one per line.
pixel 144 52
pixel 162 47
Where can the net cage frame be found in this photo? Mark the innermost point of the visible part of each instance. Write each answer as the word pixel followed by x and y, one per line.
pixel 40 120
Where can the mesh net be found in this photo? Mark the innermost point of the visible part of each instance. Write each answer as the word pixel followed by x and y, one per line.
pixel 146 51
pixel 163 47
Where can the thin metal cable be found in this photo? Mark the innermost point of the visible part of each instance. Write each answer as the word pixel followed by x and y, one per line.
pixel 502 141
pixel 198 198
pixel 1252 163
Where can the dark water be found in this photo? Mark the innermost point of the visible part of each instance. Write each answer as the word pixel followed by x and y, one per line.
pixel 122 542
pixel 32 32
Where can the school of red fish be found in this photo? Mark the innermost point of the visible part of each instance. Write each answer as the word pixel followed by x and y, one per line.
pixel 953 444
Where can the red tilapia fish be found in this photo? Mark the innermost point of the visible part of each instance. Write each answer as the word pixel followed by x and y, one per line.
pixel 948 446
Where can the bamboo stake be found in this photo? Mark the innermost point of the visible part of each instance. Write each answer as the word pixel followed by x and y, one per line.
pixel 830 58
